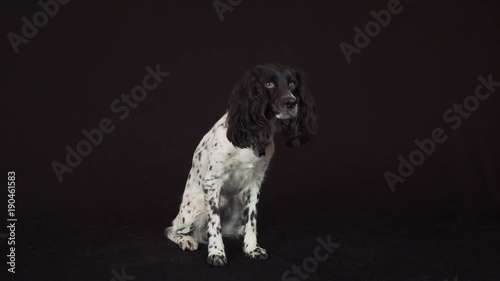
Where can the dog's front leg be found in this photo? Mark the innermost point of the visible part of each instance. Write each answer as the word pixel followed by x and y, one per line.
pixel 216 253
pixel 250 246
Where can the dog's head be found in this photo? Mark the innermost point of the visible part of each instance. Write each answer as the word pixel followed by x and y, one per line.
pixel 266 93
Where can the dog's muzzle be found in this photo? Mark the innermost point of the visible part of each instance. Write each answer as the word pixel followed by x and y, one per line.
pixel 288 107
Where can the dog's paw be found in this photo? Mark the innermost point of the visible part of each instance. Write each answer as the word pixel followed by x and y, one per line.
pixel 217 260
pixel 258 254
pixel 188 243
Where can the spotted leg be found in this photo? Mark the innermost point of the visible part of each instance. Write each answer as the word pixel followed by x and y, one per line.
pixel 250 246
pixel 216 253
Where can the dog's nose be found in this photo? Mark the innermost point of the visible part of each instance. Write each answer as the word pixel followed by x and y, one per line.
pixel 290 102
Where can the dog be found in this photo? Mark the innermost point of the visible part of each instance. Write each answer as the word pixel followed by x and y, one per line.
pixel 229 164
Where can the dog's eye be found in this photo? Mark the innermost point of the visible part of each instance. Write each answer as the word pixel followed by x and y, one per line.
pixel 269 85
pixel 292 85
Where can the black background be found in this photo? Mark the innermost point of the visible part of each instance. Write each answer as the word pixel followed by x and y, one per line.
pixel 110 211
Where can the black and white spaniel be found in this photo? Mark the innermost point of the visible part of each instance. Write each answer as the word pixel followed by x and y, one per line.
pixel 222 188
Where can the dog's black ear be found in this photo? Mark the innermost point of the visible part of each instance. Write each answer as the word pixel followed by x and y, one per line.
pixel 247 123
pixel 303 127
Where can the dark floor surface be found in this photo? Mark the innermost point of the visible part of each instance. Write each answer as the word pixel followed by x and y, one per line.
pixel 75 247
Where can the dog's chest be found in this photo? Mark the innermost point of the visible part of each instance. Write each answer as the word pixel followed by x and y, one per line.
pixel 243 167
